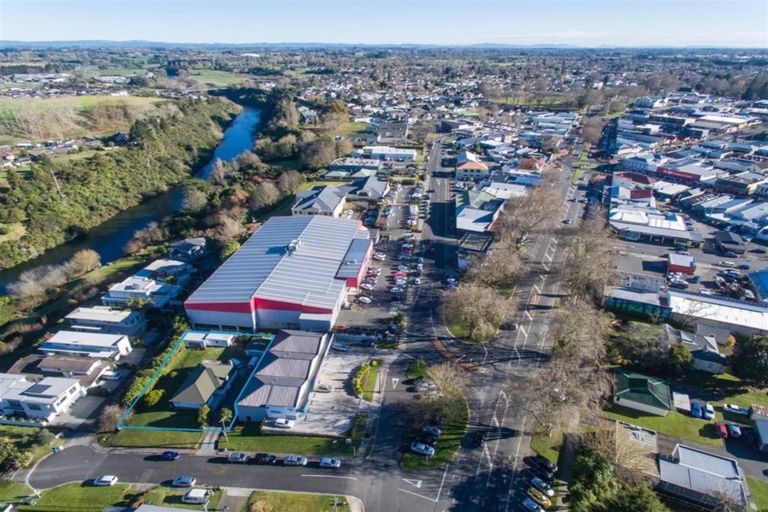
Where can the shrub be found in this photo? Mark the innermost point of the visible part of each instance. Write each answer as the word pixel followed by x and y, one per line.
pixel 153 398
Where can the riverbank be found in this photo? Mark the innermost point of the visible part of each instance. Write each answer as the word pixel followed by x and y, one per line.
pixel 62 201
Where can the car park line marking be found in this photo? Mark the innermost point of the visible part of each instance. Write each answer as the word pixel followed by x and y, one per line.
pixel 433 500
pixel 332 476
pixel 528 314
pixel 538 290
pixel 545 266
pixel 415 483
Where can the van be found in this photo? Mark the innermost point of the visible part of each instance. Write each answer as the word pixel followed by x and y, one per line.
pixel 196 496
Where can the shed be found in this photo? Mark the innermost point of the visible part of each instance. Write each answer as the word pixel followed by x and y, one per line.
pixel 682 402
pixel 683 263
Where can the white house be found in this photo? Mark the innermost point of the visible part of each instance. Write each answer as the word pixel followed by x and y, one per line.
pixel 86 344
pixel 105 320
pixel 387 153
pixel 43 399
pixel 157 293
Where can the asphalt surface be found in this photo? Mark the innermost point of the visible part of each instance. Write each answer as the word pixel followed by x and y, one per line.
pixel 490 479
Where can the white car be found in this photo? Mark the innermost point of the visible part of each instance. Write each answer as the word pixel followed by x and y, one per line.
pixel 294 460
pixel 340 347
pixel 728 264
pixel 422 449
pixel 364 300
pixel 416 281
pixel 283 423
pixel 105 481
pixel 330 462
pixel 379 257
pixel 366 286
pixel 709 411
pixel 396 289
pixel 736 409
pixel 400 282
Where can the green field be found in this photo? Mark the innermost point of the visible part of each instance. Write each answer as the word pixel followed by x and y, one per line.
pixel 272 501
pixel 11 492
pixel 369 382
pixel 168 497
pixel 674 424
pixel 548 446
pixel 78 497
pixel 454 409
pixel 218 78
pixel 152 438
pixel 458 329
pixel 759 490
pixel 249 439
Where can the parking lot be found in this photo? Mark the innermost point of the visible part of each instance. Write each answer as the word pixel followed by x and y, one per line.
pixel 331 413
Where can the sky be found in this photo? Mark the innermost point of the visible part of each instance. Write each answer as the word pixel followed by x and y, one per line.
pixel 731 23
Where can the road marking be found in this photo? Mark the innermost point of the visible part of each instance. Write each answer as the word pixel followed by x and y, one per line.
pixel 528 314
pixel 415 483
pixel 433 500
pixel 332 476
pixel 538 290
pixel 545 266
pixel 395 380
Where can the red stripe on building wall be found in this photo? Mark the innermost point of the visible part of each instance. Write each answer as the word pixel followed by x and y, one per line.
pixel 260 303
pixel 224 307
pixel 256 303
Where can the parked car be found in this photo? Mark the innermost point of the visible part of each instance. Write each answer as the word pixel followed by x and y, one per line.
pixel 416 281
pixel 736 409
pixel 696 411
pixel 709 412
pixel 340 347
pixel 196 496
pixel 264 459
pixel 539 497
pixel 170 455
pixel 531 506
pixel 427 439
pixel 422 449
pixel 364 300
pixel 294 460
pixel 542 486
pixel 546 463
pixel 721 429
pixel 431 430
pixel 184 481
pixel 728 264
pixel 567 221
pixel 238 457
pixel 743 266
pixel 734 430
pixel 366 286
pixel 330 462
pixel 105 481
pixel 379 257
pixel 283 423
pixel 324 388
pixel 403 268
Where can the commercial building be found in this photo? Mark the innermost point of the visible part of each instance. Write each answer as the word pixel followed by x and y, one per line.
pixel 469 167
pixel 86 344
pixel 43 399
pixel 280 386
pixel 387 153
pixel 700 478
pixel 105 320
pixel 294 272
pixel 648 224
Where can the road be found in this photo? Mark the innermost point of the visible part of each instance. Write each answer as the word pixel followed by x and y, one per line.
pixel 488 479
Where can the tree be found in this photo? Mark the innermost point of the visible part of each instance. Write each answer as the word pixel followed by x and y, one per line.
pixel 616 445
pixel 318 153
pixel 228 249
pixel 248 159
pixel 153 398
pixel 589 265
pixel 142 238
pixel 202 415
pixel 12 458
pixel 265 194
pixel 109 417
pixel 138 303
pixel 635 498
pixel 479 309
pixel 83 261
pixel 498 269
pixel 594 482
pixel 592 130
pixel 750 360
pixel 448 377
pixel 194 200
pixel 539 209
pixel 679 358
pixel 289 182
pixel 225 415
pixel 578 334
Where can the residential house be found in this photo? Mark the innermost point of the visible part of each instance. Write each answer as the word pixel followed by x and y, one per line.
pixel 189 250
pixel 157 294
pixel 206 384
pixel 85 369
pixel 43 399
pixel 320 200
pixel 86 344
pixel 641 393
pixel 704 349
pixel 105 320
pixel 167 271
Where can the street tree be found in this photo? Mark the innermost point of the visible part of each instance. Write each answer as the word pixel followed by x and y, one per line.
pixel 592 130
pixel 750 360
pixel 538 210
pixel 478 309
pixel 498 269
pixel 589 265
pixel 578 334
pixel 203 415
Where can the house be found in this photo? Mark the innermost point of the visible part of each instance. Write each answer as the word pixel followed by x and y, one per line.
pixel 641 393
pixel 477 212
pixel 320 200
pixel 206 384
pixel 40 399
pixel 369 189
pixel 469 167
pixel 167 271
pixel 86 344
pixel 157 294
pixel 206 339
pixel 294 271
pixel 700 478
pixel 761 431
pixel 189 250
pixel 727 241
pixel 105 320
pixel 704 349
pixel 386 153
pixel 353 165
pixel 85 369
pixel 392 132
pixel 280 386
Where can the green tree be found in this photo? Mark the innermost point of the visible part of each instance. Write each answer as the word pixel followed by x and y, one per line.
pixel 153 398
pixel 750 360
pixel 225 415
pixel 679 358
pixel 12 458
pixel 202 415
pixel 595 481
pixel 634 498
pixel 228 249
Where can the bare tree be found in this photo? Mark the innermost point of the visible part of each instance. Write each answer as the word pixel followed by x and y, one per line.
pixel 589 266
pixel 615 445
pixel 142 238
pixel 265 194
pixel 499 268
pixel 82 262
pixel 592 129
pixel 109 417
pixel 578 334
pixel 194 200
pixel 479 309
pixel 289 182
pixel 538 210
pixel 448 377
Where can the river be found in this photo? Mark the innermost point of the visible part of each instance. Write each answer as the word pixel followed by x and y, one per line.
pixel 109 237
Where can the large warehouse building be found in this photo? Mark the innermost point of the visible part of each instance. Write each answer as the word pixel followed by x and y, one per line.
pixel 293 273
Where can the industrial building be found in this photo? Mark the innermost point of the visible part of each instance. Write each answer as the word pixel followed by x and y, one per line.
pixel 294 272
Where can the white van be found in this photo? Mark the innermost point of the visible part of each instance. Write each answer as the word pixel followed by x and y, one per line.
pixel 196 496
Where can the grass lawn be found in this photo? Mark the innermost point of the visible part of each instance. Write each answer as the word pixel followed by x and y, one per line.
pixel 249 439
pixel 155 438
pixel 78 497
pixel 272 501
pixel 7 309
pixel 548 447
pixel 11 491
pixel 416 369
pixel 458 330
pixel 369 382
pixel 577 174
pixel 217 78
pixel 727 388
pixel 759 490
pixel 24 439
pixel 310 184
pixel 169 497
pixel 454 409
pixel 674 424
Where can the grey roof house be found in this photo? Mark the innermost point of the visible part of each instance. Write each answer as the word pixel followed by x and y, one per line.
pixel 321 200
pixel 206 384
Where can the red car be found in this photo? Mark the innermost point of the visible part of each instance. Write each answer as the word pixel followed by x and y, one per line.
pixel 721 429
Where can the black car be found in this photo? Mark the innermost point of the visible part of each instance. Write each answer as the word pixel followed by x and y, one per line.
pixel 264 459
pixel 478 439
pixel 546 463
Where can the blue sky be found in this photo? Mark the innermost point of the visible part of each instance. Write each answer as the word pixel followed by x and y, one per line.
pixel 739 23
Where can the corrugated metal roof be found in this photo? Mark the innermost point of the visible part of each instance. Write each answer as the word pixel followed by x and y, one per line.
pixel 354 259
pixel 703 472
pixel 265 268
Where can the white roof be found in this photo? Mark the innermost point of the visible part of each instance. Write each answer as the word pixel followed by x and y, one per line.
pixel 86 339
pixel 101 314
pixel 719 310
